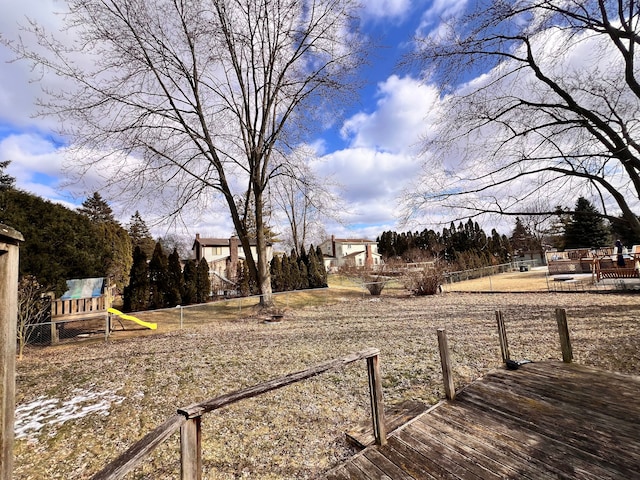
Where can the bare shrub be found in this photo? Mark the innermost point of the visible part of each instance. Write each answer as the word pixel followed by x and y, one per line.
pixel 427 281
pixel 374 280
pixel 34 306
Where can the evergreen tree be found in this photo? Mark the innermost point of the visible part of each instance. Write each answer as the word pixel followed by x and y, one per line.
pixel 522 239
pixel 294 272
pixel 203 283
pixel 117 256
pixel 190 273
pixel 313 270
pixel 276 274
pixel 140 235
pixel 136 294
pixel 244 288
pixel 175 281
pixel 322 269
pixel 586 229
pixel 60 244
pixel 6 181
pixel 97 209
pixel 158 278
pixel 286 273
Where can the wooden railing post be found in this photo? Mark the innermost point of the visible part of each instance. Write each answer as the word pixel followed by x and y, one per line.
pixel 445 359
pixel 10 240
pixel 191 450
pixel 377 407
pixel 565 340
pixel 502 335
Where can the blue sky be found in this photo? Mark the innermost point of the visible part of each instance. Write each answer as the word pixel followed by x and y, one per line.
pixel 372 153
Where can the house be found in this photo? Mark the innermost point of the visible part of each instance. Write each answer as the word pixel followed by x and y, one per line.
pixel 223 255
pixel 357 252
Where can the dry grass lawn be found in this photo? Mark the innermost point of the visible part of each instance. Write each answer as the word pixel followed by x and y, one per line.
pixel 111 394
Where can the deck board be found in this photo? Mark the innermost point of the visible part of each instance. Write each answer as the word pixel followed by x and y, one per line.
pixel 543 421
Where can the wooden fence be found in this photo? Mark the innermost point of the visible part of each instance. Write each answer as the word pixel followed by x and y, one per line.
pixel 188 419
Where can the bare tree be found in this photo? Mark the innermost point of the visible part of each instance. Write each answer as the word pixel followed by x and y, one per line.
pixel 306 201
pixel 555 111
pixel 196 100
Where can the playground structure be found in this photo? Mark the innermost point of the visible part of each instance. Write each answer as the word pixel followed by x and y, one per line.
pixel 86 306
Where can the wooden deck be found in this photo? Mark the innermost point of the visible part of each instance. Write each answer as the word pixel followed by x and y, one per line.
pixel 543 421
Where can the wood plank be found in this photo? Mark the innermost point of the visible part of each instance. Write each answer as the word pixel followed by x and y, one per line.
pixel 545 420
pixel 508 462
pixel 388 467
pixel 395 416
pixel 557 456
pixel 369 469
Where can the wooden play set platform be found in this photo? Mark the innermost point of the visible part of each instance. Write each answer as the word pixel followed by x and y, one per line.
pixel 542 421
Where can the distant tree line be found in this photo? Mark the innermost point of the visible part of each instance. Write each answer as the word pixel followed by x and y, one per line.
pixel 467 246
pixel 463 246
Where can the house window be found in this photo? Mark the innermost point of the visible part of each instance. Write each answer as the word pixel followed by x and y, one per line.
pixel 216 250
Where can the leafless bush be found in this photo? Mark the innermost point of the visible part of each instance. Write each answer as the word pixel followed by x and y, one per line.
pixel 34 307
pixel 427 281
pixel 374 280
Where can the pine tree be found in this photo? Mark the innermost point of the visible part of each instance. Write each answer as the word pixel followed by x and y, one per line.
pixel 586 229
pixel 136 294
pixel 158 278
pixel 7 182
pixel 244 288
pixel 175 280
pixel 322 269
pixel 189 291
pixel 140 235
pixel 286 273
pixel 276 274
pixel 203 282
pixel 97 209
pixel 313 269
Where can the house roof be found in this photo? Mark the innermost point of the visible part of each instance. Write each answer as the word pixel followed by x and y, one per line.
pixel 217 242
pixel 353 240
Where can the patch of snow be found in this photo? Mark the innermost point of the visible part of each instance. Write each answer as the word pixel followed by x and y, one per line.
pixel 31 417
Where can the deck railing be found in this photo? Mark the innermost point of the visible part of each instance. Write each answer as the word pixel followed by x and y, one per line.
pixel 188 419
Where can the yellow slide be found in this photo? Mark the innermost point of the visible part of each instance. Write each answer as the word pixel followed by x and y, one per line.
pixel 124 316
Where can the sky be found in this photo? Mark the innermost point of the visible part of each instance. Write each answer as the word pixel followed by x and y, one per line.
pixel 372 152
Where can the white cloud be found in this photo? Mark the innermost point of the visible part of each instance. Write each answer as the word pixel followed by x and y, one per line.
pixel 399 119
pixel 386 8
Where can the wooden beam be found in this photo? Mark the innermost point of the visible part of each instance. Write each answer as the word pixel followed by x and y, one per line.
pixel 502 336
pixel 565 340
pixel 377 407
pixel 10 240
pixel 199 409
pixel 445 359
pixel 191 450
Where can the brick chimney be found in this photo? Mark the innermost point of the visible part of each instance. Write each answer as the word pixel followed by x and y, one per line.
pixel 333 246
pixel 198 247
pixel 368 260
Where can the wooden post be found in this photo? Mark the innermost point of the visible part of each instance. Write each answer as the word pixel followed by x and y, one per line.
pixel 502 335
pixel 377 407
pixel 565 340
pixel 445 359
pixel 9 255
pixel 191 450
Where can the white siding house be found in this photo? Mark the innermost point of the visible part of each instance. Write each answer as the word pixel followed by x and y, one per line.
pixel 357 252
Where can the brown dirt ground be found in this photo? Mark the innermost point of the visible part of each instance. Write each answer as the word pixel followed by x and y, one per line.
pixel 296 432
